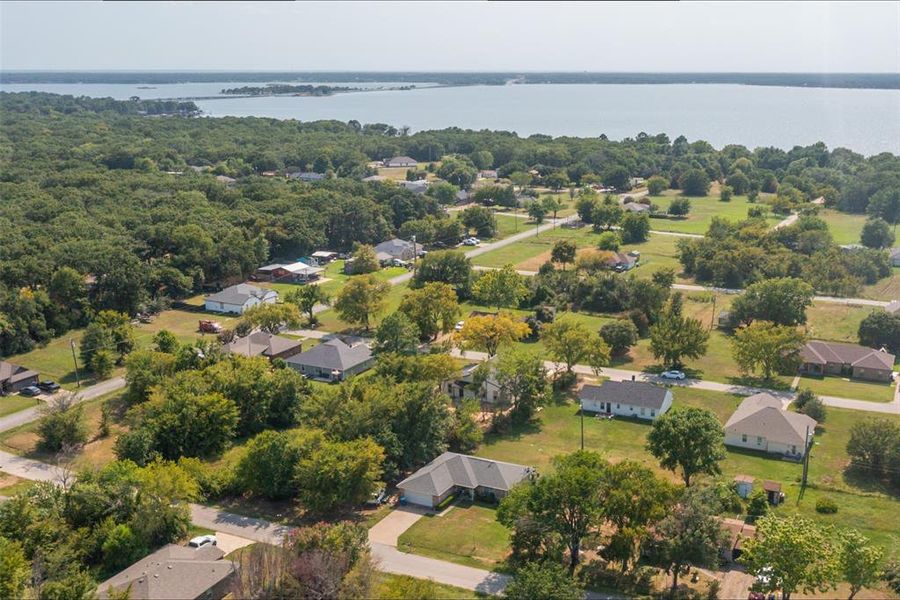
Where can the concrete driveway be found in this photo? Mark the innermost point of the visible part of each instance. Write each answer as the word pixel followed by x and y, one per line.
pixel 228 543
pixel 390 528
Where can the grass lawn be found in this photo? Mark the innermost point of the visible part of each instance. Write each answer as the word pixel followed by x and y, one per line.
pixel 386 583
pixel 835 322
pixel 10 485
pixel 865 505
pixel 469 535
pixel 13 404
pixel 702 211
pixel 887 289
pixel 329 320
pixel 846 388
pixel 845 227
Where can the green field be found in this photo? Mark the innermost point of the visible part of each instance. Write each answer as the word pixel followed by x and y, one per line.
pixel 330 321
pixel 468 534
pixel 847 388
pixel 845 228
pixel 863 504
pixel 887 289
pixel 440 590
pixel 15 403
pixel 702 211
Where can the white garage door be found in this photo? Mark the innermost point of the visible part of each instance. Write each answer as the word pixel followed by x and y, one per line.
pixel 420 499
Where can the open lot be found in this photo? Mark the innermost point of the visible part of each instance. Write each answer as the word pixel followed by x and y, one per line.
pixel 703 209
pixel 845 227
pixel 849 388
pixel 887 289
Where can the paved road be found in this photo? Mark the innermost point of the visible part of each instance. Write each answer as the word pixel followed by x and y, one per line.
pixel 89 393
pixel 790 220
pixel 391 560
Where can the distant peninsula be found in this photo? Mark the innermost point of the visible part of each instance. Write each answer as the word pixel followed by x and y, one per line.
pixel 284 89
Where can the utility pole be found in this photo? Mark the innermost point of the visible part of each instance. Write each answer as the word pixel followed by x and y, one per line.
pixel 713 320
pixel 415 254
pixel 582 424
pixel 75 360
pixel 806 458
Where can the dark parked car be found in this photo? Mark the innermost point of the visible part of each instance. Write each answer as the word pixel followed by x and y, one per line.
pixel 49 386
pixel 31 390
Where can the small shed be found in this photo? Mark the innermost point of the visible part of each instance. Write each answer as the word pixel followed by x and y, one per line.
pixel 773 492
pixel 743 485
pixel 724 321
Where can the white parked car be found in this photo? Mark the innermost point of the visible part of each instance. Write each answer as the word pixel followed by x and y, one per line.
pixel 672 375
pixel 202 540
pixel 459 325
pixel 472 241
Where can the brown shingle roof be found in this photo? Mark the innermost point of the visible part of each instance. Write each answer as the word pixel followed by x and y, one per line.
pixel 820 352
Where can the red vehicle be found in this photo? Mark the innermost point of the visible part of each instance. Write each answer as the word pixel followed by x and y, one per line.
pixel 210 326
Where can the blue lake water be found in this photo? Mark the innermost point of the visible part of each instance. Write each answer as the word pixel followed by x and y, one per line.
pixel 864 120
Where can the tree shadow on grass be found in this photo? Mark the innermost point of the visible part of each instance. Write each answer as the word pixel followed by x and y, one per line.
pixel 869 481
pixel 760 382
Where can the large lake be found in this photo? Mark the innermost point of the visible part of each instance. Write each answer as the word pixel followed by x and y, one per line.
pixel 864 120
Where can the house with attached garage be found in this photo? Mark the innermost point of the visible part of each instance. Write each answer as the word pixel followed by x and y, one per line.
pixel 333 360
pixel 239 298
pixel 296 272
pixel 760 423
pixel 261 343
pixel 460 474
pixel 397 248
pixel 400 161
pixel 14 378
pixel 626 399
pixel 846 360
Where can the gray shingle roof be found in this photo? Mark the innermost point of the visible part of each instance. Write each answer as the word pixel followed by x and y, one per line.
pixel 14 373
pixel 633 393
pixel 762 415
pixel 239 294
pixel 395 247
pixel 260 342
pixel 451 469
pixel 172 572
pixel 333 354
pixel 819 352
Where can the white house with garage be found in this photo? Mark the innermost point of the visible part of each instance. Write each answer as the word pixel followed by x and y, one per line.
pixel 239 298
pixel 626 399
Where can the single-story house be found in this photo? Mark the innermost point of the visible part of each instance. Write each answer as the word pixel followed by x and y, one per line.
pixel 464 387
pixel 323 257
pixel 760 423
pixel 296 272
pixel 626 399
pixel 487 174
pixel 452 473
pixel 724 320
pixel 261 343
pixel 636 207
pixel 239 298
pixel 620 261
pixel 895 256
pixel 397 248
pixel 400 161
pixel 374 178
pixel 636 181
pixel 851 247
pixel 14 378
pixel 333 360
pixel 462 197
pixel 848 360
pixel 820 201
pixel 893 307
pixel 229 181
pixel 174 572
pixel 417 187
pixel 743 485
pixel 307 176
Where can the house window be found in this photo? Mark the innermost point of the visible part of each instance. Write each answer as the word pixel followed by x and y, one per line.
pixel 617 405
pixel 759 440
pixel 602 406
pixel 744 437
pixel 642 411
pixel 652 413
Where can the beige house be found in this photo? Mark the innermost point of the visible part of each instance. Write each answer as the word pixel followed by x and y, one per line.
pixel 760 423
pixel 847 360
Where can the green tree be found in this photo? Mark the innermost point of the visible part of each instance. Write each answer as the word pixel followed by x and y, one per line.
pixel 458 170
pixel 447 266
pixel 547 581
pixel 433 308
pixel 306 298
pixel 617 177
pixel 556 180
pixel 726 192
pixel 489 333
pixel 767 347
pixel 691 534
pixel 266 466
pixel 111 332
pixel 551 204
pixel 397 334
pixel 570 342
pixel 679 206
pixel 481 219
pixel 272 318
pixel 606 214
pixel 537 211
pixel 121 548
pixel 795 553
pixel 874 445
pixel 609 241
pixel 885 204
pixel 620 335
pixel 694 183
pixel 523 380
pixel 635 228
pixel 62 425
pixel 165 341
pixel 876 233
pixel 657 185
pixel 443 192
pixel 502 288
pixel 860 561
pixel 365 260
pixel 362 298
pixel 689 439
pixel 102 363
pixel 782 301
pixel 563 252
pixel 338 474
pixel 880 328
pixel 14 569
pixel 675 337
pixel 145 369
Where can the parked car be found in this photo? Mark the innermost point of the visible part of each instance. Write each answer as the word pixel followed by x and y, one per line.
pixel 49 386
pixel 31 390
pixel 459 325
pixel 202 540
pixel 672 375
pixel 472 241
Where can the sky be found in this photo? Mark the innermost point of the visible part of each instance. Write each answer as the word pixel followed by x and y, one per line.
pixel 452 36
